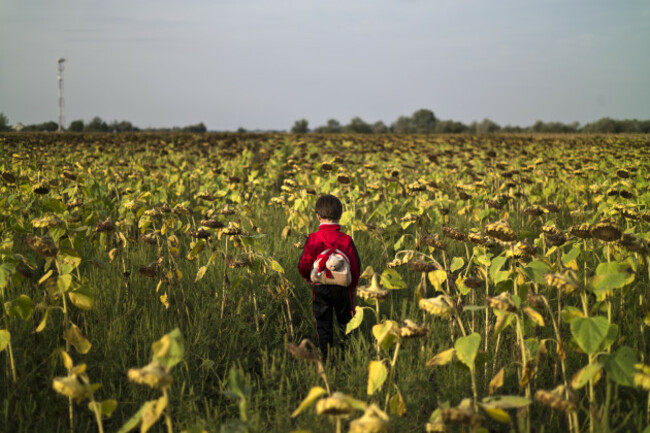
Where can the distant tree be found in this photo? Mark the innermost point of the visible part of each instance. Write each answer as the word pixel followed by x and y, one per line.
pixel 43 127
pixel 76 126
pixel 199 128
pixel 512 129
pixel 333 126
pixel 96 125
pixel 300 127
pixel 241 130
pixel 423 121
pixel 486 126
pixel 450 127
pixel 357 126
pixel 403 125
pixel 379 127
pixel 4 123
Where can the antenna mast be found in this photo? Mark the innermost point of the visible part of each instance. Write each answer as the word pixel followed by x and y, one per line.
pixel 60 61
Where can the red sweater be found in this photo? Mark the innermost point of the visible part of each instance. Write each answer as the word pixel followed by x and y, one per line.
pixel 329 234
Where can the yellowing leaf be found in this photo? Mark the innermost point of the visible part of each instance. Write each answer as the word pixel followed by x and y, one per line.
pixel 200 273
pixel 5 339
pixel 442 358
pixel 397 406
pixel 534 316
pixel 497 414
pixel 164 300
pixel 313 395
pixel 437 278
pixel 82 298
pixel 356 320
pixel 497 381
pixel 74 336
pixel 276 266
pixel 377 374
pixel 67 360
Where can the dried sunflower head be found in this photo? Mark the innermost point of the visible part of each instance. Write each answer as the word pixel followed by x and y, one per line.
pixel 153 375
pixel 105 226
pixel 373 420
pixel 453 233
pixel 433 240
pixel 476 238
pixel 606 230
pixel 70 386
pixel 534 211
pixel 205 195
pixel 634 244
pixel 305 350
pixel 410 329
pixel 42 245
pixel 500 231
pixel 564 283
pixel 336 405
pixel 374 291
pixel 555 239
pixel 555 399
pixel 200 234
pixel 213 224
pixel 582 231
pixel 442 306
pixel 503 302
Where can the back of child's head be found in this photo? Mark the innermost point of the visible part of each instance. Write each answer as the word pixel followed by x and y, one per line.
pixel 329 207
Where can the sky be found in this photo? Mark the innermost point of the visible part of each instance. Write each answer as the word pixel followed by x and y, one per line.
pixel 263 64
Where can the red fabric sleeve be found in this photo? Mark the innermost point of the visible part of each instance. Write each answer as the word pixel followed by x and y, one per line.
pixel 307 259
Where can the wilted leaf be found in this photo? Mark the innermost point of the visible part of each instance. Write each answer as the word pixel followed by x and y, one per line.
pixel 82 298
pixel 582 377
pixel 169 350
pixel 437 278
pixel 496 413
pixel 391 280
pixel 21 307
pixel 497 381
pixel 397 405
pixel 534 316
pixel 5 339
pixel 200 273
pixel 276 266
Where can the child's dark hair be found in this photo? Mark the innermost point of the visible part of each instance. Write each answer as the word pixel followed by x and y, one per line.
pixel 329 207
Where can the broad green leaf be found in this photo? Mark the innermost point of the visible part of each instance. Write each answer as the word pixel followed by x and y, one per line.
pixel 442 358
pixel 377 374
pixel 69 256
pixel 21 307
pixel 385 333
pixel 603 283
pixel 571 255
pixel 5 275
pixel 467 348
pixel 276 266
pixel 585 374
pixel 356 320
pixel 82 298
pixel 74 336
pixel 619 366
pixel 311 398
pixel 63 282
pixel 536 271
pixel 391 280
pixel 456 264
pixel 589 332
pixel 169 350
pixel 497 264
pixel 437 278
pixel 483 260
pixel 5 339
pixel 507 401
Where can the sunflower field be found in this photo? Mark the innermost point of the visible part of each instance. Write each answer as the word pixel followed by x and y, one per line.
pixel 149 282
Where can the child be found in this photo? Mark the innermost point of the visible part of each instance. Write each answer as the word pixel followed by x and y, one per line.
pixel 330 299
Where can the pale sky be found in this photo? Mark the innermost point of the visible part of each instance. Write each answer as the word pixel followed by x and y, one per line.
pixel 266 63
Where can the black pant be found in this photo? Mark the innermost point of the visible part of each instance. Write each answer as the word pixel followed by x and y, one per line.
pixel 327 301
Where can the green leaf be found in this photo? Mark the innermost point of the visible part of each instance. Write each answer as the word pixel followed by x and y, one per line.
pixel 400 243
pixel 106 407
pixel 5 339
pixel 63 282
pixel 589 332
pixel 21 307
pixel 536 271
pixel 169 350
pixel 5 274
pixel 483 260
pixel 437 278
pixel 82 298
pixel 603 283
pixel 456 264
pixel 585 374
pixel 620 366
pixel 497 264
pixel 276 266
pixel 311 398
pixel 397 405
pixel 385 333
pixel 356 320
pixel 391 280
pixel 467 348
pixel 134 421
pixel 571 255
pixel 377 374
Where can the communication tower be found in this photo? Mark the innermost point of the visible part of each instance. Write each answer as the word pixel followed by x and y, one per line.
pixel 60 61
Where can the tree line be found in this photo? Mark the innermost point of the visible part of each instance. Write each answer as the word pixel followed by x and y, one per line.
pixel 424 121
